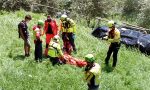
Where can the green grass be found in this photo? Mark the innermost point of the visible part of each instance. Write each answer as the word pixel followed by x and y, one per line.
pixel 19 73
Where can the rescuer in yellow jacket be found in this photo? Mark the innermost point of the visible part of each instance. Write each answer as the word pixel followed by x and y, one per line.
pixel 68 29
pixel 54 51
pixel 92 73
pixel 114 39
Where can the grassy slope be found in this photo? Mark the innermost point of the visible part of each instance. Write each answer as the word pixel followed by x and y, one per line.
pixel 19 73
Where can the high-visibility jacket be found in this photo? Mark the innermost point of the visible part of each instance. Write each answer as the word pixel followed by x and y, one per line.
pixel 68 25
pixel 52 26
pixel 116 37
pixel 55 50
pixel 94 74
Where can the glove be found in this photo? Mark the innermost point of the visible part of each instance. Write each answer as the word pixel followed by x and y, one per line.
pixel 105 38
pixel 74 36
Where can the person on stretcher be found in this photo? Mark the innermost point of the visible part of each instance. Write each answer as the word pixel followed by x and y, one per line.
pixel 57 57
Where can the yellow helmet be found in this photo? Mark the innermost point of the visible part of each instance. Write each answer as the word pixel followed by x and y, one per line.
pixel 110 23
pixel 63 17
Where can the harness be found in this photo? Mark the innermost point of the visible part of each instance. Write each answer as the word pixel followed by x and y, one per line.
pixel 66 24
pixel 54 48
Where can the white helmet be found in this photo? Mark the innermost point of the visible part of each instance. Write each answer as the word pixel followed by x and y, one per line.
pixel 63 17
pixel 56 38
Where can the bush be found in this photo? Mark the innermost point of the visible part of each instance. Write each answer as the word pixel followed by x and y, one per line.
pixel 44 6
pixel 10 5
pixel 131 8
pixel 145 19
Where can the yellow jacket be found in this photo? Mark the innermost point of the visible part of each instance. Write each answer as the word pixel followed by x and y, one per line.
pixel 94 71
pixel 55 50
pixel 68 26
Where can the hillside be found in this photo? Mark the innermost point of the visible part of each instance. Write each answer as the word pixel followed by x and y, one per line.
pixel 19 73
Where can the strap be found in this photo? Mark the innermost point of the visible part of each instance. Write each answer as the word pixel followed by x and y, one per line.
pixel 54 48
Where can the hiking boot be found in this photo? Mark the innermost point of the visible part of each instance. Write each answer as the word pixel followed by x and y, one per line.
pixel 113 68
pixel 106 64
pixel 40 60
pixel 27 55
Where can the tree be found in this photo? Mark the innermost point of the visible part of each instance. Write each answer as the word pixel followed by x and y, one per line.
pixel 131 8
pixel 11 5
pixel 144 16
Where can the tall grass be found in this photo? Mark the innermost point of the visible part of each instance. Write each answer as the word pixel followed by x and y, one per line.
pixel 20 73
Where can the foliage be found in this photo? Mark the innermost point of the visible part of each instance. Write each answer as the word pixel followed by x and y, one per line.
pixel 20 73
pixel 135 11
pixel 10 5
pixel 144 16
pixel 44 6
pixel 132 8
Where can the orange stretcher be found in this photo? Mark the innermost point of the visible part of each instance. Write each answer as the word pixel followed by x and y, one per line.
pixel 73 61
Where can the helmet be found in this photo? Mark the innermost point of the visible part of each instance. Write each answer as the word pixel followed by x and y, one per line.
pixel 89 58
pixel 111 23
pixel 56 38
pixel 40 22
pixel 63 17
